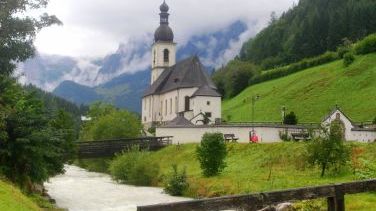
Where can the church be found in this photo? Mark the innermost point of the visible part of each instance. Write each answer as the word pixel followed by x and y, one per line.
pixel 180 93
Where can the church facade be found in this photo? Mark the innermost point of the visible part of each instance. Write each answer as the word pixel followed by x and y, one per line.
pixel 180 93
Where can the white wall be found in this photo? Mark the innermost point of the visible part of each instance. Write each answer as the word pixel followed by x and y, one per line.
pixel 200 105
pixel 194 134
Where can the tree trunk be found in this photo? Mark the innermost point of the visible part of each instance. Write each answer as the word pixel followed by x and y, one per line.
pixel 323 169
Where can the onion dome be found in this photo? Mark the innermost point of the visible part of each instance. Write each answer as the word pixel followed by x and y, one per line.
pixel 164 32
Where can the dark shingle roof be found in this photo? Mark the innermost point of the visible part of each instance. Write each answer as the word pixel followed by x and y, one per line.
pixel 206 91
pixel 188 73
pixel 180 121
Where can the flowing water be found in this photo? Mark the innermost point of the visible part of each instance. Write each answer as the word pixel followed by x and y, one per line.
pixel 80 190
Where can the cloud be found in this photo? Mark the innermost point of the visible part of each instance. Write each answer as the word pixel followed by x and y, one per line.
pixel 95 27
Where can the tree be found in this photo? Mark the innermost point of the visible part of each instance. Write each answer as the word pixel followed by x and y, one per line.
pixel 329 151
pixel 31 149
pixel 290 119
pixel 107 122
pixel 211 154
pixel 17 32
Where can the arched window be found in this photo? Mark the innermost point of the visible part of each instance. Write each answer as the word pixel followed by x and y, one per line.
pixel 186 103
pixel 166 55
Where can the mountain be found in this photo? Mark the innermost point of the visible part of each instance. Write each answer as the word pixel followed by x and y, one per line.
pixel 124 75
pixel 311 94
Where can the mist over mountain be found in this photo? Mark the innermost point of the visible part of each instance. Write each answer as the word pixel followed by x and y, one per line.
pixel 121 77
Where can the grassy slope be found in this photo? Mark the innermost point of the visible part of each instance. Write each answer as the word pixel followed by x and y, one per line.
pixel 248 171
pixel 312 93
pixel 12 199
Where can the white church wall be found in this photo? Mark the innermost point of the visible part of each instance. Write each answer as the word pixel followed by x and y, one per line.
pixel 207 105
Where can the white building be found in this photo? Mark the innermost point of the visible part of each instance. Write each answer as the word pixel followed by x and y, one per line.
pixel 179 92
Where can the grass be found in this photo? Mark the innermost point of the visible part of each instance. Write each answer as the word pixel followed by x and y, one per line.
pixel 12 199
pixel 249 170
pixel 312 93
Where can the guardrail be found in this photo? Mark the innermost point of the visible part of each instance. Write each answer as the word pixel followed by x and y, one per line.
pixel 335 195
pixel 108 148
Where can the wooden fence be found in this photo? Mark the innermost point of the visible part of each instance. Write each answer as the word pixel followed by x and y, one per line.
pixel 335 195
pixel 107 148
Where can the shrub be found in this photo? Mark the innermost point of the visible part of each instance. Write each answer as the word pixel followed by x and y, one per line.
pixel 329 150
pixel 290 119
pixel 348 59
pixel 284 136
pixel 211 154
pixel 367 45
pixel 134 167
pixel 176 183
pixel 344 48
pixel 374 121
pixel 293 68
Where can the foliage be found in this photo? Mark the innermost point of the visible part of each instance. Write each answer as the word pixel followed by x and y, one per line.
pixel 107 122
pixel 329 151
pixel 311 94
pixel 18 31
pixel 367 45
pixel 310 29
pixel 134 167
pixel 293 68
pixel 344 48
pixel 290 119
pixel 368 170
pixel 348 59
pixel 176 183
pixel 233 78
pixel 211 154
pixel 374 121
pixel 284 136
pixel 33 144
pixel 152 130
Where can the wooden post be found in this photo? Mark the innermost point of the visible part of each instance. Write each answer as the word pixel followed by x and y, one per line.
pixel 331 204
pixel 340 198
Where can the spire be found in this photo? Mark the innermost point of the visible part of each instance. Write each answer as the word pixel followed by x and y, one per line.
pixel 164 13
pixel 164 32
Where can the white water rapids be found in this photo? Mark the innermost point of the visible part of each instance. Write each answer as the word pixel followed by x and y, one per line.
pixel 80 190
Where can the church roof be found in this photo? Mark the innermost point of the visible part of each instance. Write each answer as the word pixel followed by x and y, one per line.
pixel 206 91
pixel 180 121
pixel 188 73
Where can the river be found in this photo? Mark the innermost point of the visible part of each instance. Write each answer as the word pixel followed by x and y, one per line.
pixel 80 190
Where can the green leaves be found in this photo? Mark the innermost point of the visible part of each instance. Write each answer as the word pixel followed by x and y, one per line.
pixel 109 123
pixel 211 154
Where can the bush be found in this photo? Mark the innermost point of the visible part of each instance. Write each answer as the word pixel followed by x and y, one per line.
pixel 329 150
pixel 367 45
pixel 284 136
pixel 211 154
pixel 374 121
pixel 134 167
pixel 176 183
pixel 293 68
pixel 348 59
pixel 290 119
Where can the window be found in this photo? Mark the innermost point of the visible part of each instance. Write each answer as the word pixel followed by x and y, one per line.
pixel 166 55
pixel 208 103
pixel 170 105
pixel 208 114
pixel 165 107
pixel 176 104
pixel 186 102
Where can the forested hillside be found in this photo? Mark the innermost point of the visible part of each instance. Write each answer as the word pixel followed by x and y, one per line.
pixel 309 29
pixel 298 39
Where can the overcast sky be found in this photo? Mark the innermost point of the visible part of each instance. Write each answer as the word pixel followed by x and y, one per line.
pixel 96 27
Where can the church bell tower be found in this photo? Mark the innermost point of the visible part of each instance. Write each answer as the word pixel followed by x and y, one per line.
pixel 164 48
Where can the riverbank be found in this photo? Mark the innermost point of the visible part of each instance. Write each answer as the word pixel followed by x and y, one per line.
pixel 13 199
pixel 261 167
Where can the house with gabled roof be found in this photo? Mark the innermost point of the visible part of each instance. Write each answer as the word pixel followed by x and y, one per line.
pixel 179 92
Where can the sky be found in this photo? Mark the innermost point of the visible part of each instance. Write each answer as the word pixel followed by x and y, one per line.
pixel 95 28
